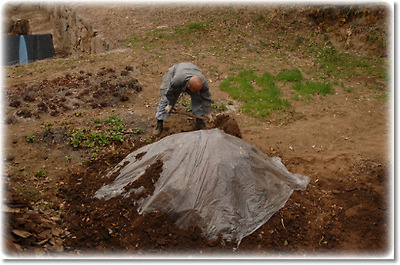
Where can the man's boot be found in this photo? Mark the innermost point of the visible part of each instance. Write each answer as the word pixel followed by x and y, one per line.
pixel 159 128
pixel 200 125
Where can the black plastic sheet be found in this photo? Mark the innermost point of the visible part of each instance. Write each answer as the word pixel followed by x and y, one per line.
pixel 36 47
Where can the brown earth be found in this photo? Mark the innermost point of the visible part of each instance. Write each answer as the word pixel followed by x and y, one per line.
pixel 341 141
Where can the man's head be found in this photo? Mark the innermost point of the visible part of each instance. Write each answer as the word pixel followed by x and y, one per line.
pixel 195 84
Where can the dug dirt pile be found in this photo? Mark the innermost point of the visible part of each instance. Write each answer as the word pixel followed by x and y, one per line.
pixel 210 179
pixel 114 225
pixel 106 87
pixel 228 124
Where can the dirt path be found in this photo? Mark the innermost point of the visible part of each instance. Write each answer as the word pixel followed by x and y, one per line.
pixel 341 141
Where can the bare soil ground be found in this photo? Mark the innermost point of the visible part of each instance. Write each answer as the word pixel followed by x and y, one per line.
pixel 341 141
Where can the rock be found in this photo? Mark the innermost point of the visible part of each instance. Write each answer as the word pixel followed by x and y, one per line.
pixel 21 233
pixel 56 232
pixel 42 242
pixel 46 234
pixel 30 225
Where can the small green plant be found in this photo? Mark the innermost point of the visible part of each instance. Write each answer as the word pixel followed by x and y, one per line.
pixel 47 127
pixel 276 45
pixel 41 173
pixel 222 107
pixel 372 36
pixel 195 26
pixel 103 139
pixel 137 130
pixel 97 122
pixel 31 138
pixel 260 16
pixel 117 137
pixel 300 40
pixel 78 113
pixel 77 137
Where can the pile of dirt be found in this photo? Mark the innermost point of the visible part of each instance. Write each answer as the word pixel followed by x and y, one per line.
pixel 82 90
pixel 228 124
pixel 145 181
pixel 114 225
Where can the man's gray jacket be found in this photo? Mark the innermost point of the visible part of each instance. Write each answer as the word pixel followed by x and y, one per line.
pixel 176 80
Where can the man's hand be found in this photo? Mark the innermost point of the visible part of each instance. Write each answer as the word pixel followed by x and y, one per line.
pixel 210 117
pixel 168 109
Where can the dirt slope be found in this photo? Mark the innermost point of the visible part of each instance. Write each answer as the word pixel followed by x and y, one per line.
pixel 341 140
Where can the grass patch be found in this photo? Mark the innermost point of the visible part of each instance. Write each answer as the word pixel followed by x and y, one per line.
pixel 312 88
pixel 338 64
pixel 383 96
pixel 259 93
pixel 290 75
pixel 178 35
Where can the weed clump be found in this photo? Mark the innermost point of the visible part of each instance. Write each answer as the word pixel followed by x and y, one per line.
pixel 94 138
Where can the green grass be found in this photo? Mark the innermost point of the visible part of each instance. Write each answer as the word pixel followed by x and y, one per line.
pixel 185 35
pixel 290 75
pixel 338 64
pixel 259 93
pixel 312 88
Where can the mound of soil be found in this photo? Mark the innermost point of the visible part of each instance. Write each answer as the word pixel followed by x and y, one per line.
pixel 73 91
pixel 114 225
pixel 228 124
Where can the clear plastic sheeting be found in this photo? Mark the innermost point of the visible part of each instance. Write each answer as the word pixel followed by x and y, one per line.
pixel 209 179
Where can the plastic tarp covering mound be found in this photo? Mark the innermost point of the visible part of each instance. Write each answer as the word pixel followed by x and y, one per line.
pixel 209 179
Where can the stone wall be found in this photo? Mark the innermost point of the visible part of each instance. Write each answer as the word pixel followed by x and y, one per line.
pixel 72 32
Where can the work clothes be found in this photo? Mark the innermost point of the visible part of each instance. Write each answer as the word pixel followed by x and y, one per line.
pixel 175 82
